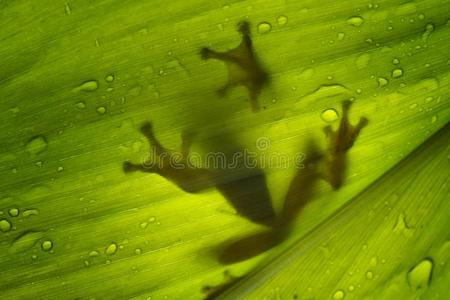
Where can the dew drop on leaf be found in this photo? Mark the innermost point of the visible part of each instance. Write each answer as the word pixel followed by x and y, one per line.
pixel 109 78
pixel 47 245
pixel 94 253
pixel 397 73
pixel 264 27
pixel 329 115
pixel 137 251
pixel 36 145
pixel 362 60
pixel 67 9
pixel 355 21
pixel 282 20
pixel 101 110
pixel 111 249
pixel 5 225
pixel 13 212
pixel 369 275
pixel 88 86
pixel 338 295
pixel 395 61
pixel 80 105
pixel 30 212
pixel 382 81
pixel 419 276
pixel 25 241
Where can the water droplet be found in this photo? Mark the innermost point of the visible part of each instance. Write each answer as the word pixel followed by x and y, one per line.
pixel 433 119
pixel 373 261
pixel 25 241
pixel 109 78
pixel 351 288
pixel 47 245
pixel 369 275
pixel 88 86
pixel 395 61
pixel 5 225
pixel 264 27
pixel 362 60
pixel 101 110
pixel 36 145
pixel 67 9
pixel 397 73
pixel 355 21
pixel 382 81
pixel 80 105
pixel 306 74
pixel 329 115
pixel 94 253
pixel 282 20
pixel 340 36
pixel 143 225
pixel 429 28
pixel 60 169
pixel 38 163
pixel 111 249
pixel 87 263
pixel 30 212
pixel 137 251
pixel 339 295
pixel 401 227
pixel 152 219
pixel 419 276
pixel 13 212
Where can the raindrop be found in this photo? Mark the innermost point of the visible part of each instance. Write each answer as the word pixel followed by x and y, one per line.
pixel 397 73
pixel 282 20
pixel 25 241
pixel 419 276
pixel 30 212
pixel 36 145
pixel 382 81
pixel 351 288
pixel 80 105
pixel 47 245
pixel 339 295
pixel 264 27
pixel 109 78
pixel 369 275
pixel 101 110
pixel 433 119
pixel 362 60
pixel 5 225
pixel 94 253
pixel 395 61
pixel 340 36
pixel 329 115
pixel 13 212
pixel 138 251
pixel 60 169
pixel 111 249
pixel 143 225
pixel 355 21
pixel 67 9
pixel 88 86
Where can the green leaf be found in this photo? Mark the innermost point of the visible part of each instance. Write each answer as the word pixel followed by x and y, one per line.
pixel 79 78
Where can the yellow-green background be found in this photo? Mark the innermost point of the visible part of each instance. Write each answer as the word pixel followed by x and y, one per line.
pixel 84 201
